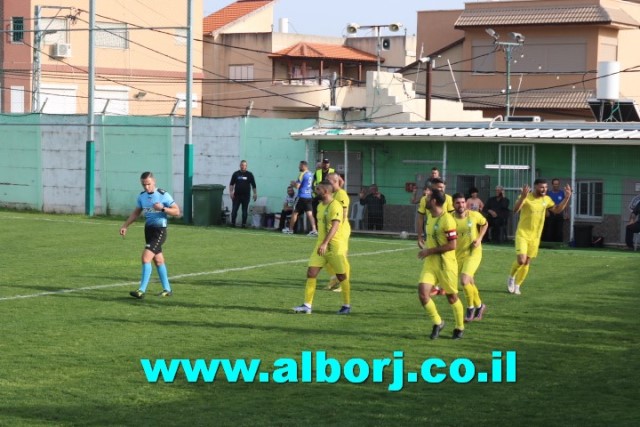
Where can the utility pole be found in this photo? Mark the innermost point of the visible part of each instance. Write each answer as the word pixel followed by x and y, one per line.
pixel 38 39
pixel 427 113
pixel 90 153
pixel 37 66
pixel 188 144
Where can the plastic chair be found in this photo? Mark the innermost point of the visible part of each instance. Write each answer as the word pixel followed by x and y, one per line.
pixel 356 215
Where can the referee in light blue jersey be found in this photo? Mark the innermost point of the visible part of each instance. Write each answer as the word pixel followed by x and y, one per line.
pixel 156 204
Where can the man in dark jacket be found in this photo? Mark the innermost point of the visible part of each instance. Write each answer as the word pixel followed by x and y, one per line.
pixel 242 181
pixel 497 212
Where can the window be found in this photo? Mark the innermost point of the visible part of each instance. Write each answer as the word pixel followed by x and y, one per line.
pixel 484 58
pixel 568 55
pixel 589 199
pixel 112 34
pixel 241 72
pixel 17 29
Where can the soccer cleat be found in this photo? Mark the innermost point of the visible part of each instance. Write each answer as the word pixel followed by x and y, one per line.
pixel 479 312
pixel 435 332
pixel 516 290
pixel 469 316
pixel 457 334
pixel 511 284
pixel 313 233
pixel 165 294
pixel 287 231
pixel 332 283
pixel 137 294
pixel 302 309
pixel 344 310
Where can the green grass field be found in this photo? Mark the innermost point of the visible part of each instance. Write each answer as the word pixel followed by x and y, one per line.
pixel 72 338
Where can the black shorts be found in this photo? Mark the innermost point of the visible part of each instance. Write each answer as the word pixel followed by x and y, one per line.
pixel 154 237
pixel 303 205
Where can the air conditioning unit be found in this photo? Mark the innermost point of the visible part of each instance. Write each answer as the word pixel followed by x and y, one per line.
pixel 61 50
pixel 524 119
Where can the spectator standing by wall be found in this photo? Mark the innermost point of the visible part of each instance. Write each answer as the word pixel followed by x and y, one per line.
pixel 374 200
pixel 242 181
pixel 304 203
pixel 497 212
pixel 554 223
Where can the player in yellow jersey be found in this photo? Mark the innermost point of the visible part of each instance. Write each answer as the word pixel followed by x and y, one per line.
pixel 440 266
pixel 329 250
pixel 341 196
pixel 436 184
pixel 533 209
pixel 470 229
pixel 439 184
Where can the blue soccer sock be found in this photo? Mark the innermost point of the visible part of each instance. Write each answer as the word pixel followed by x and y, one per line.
pixel 164 278
pixel 146 274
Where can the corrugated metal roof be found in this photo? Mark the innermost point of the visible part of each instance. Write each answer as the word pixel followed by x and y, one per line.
pixel 592 14
pixel 231 13
pixel 588 133
pixel 325 51
pixel 534 99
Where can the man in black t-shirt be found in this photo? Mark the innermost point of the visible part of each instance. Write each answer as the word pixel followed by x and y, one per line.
pixel 240 186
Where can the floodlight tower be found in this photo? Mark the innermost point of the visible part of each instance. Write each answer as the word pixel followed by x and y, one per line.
pixel 507 47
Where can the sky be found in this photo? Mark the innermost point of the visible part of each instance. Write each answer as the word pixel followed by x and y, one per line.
pixel 330 17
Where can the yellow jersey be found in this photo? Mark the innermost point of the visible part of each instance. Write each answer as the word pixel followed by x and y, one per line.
pixel 327 213
pixel 439 231
pixel 533 211
pixel 467 231
pixel 422 207
pixel 342 197
pixel 447 206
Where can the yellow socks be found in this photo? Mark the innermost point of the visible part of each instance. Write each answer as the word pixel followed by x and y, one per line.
pixel 309 291
pixel 522 273
pixel 432 311
pixel 346 291
pixel 458 314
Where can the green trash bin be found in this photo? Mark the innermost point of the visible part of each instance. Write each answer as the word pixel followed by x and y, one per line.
pixel 207 204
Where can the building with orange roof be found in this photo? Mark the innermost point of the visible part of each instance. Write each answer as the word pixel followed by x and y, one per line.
pixel 252 69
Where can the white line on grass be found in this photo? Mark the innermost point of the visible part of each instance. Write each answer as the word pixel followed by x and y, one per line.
pixel 181 276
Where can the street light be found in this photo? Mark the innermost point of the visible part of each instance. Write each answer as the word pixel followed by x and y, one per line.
pixel 507 47
pixel 353 28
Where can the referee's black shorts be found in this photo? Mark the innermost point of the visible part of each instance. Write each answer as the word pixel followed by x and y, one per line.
pixel 154 237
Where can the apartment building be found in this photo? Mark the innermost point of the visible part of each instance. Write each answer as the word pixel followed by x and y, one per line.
pixel 140 50
pixel 256 69
pixel 553 61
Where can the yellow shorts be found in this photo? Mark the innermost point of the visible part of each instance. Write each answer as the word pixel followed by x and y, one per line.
pixel 469 264
pixel 337 260
pixel 434 274
pixel 527 247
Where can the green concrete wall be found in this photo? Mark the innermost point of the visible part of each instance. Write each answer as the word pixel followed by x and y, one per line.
pixel 20 162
